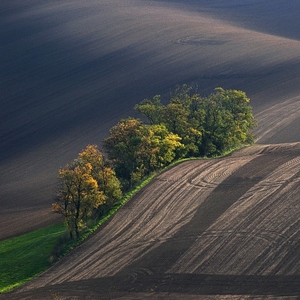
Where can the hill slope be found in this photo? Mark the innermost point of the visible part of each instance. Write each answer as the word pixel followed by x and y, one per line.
pixel 71 69
pixel 225 226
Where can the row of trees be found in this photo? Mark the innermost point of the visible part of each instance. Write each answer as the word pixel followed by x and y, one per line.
pixel 188 125
pixel 207 126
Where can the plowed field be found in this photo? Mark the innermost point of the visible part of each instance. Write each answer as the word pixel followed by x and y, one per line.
pixel 207 229
pixel 225 227
pixel 70 69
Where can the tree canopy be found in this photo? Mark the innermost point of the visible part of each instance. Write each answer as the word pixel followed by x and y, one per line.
pixel 207 125
pixel 187 125
pixel 105 176
pixel 136 149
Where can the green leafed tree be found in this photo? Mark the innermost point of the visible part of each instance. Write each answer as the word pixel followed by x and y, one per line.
pixel 242 119
pixel 137 149
pixel 122 147
pixel 207 126
pixel 151 109
pixel 228 122
pixel 158 147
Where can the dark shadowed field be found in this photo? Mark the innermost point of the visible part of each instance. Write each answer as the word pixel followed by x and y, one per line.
pixel 71 69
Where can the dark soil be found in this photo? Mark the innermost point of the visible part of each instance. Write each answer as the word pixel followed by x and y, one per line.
pixel 71 69
pixel 70 72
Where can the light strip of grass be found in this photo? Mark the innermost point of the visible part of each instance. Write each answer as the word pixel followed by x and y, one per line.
pixel 26 256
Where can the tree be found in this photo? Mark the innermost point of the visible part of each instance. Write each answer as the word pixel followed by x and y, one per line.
pixel 158 147
pixel 152 109
pixel 137 149
pixel 168 143
pixel 105 176
pixel 228 121
pixel 86 184
pixel 207 126
pixel 242 120
pixel 175 118
pixel 122 147
pixel 78 196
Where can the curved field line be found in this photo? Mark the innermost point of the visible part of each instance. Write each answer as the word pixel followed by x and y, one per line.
pixel 257 234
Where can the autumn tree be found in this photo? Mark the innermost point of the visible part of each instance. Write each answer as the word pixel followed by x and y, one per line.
pixel 102 172
pixel 87 184
pixel 78 196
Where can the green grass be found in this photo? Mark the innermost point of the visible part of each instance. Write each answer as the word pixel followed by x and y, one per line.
pixel 25 256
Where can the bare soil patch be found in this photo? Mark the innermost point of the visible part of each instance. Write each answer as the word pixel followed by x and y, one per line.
pixel 224 227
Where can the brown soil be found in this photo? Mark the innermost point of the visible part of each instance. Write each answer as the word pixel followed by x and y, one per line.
pixel 225 226
pixel 71 69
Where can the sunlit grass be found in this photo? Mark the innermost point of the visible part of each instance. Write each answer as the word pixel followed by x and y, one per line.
pixel 25 256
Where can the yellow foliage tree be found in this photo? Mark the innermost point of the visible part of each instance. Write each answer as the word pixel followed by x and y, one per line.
pixel 105 176
pixel 78 196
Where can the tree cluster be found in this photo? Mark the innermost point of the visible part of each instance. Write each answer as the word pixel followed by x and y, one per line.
pixel 188 125
pixel 207 126
pixel 136 149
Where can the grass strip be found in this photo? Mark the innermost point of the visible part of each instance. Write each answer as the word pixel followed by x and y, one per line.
pixel 24 257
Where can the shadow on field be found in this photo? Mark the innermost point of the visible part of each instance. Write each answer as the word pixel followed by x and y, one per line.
pixel 163 286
